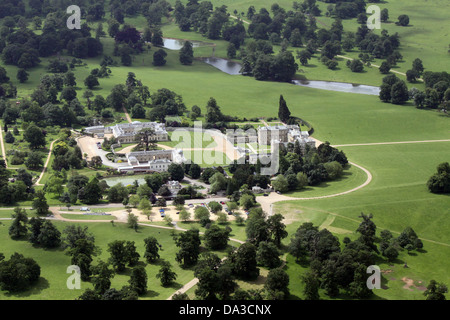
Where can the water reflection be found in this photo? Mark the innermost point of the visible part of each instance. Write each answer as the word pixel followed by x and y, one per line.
pixel 339 86
pixel 177 44
pixel 224 65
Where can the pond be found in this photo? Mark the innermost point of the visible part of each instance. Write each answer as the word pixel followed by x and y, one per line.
pixel 177 44
pixel 339 86
pixel 227 66
pixel 125 180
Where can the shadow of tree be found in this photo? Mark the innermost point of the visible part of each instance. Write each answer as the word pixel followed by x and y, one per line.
pixel 36 289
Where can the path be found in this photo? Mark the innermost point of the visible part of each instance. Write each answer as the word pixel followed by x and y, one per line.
pixel 3 147
pixel 46 164
pixel 127 115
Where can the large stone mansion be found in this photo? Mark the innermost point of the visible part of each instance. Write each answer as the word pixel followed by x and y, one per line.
pixel 126 132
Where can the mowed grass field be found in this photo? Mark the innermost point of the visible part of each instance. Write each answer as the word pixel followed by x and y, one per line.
pixel 397 197
pixel 54 263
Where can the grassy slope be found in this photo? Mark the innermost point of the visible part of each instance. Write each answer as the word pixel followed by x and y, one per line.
pixel 397 197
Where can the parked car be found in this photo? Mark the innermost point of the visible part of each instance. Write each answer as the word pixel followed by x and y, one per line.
pixel 266 195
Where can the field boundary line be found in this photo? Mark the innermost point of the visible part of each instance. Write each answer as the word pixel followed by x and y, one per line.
pixel 388 143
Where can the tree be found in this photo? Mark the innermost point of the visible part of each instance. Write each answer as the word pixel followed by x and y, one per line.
pixel 417 66
pixel 399 93
pixel 146 138
pixel 18 273
pixel 159 58
pixel 214 206
pixel 165 274
pixel 34 136
pixel 187 54
pixel 185 215
pixel 367 229
pixel 101 277
pixel 268 255
pixel 277 229
pixel 132 221
pixel 218 182
pixel 435 291
pixel 93 192
pixel 403 20
pixel 18 228
pixel 22 75
pixel 9 138
pixel 244 264
pixel 358 287
pixel 49 236
pixel 157 38
pixel 231 51
pixel 213 113
pixel 296 38
pixel 35 225
pixel 138 280
pixel 122 253
pixel 40 203
pixel 151 249
pixel 189 244
pixel 91 82
pixel 311 286
pixel 176 171
pixel 247 201
pixel 303 57
pixel 391 253
pixel 283 111
pixel 81 254
pixel 356 65
pixel 96 162
pixel 69 79
pixel 440 181
pixel 384 15
pixel 126 59
pixel 201 213
pixel 280 184
pixel 54 185
pixel 411 76
pixel 216 238
pixel 277 284
pixel 385 67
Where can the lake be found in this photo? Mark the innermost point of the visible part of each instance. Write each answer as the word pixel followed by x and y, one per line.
pixel 224 65
pixel 338 86
pixel 234 68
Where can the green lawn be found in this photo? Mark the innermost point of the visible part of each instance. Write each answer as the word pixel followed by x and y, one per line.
pixel 54 263
pixel 351 178
pixel 397 197
pixel 183 139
